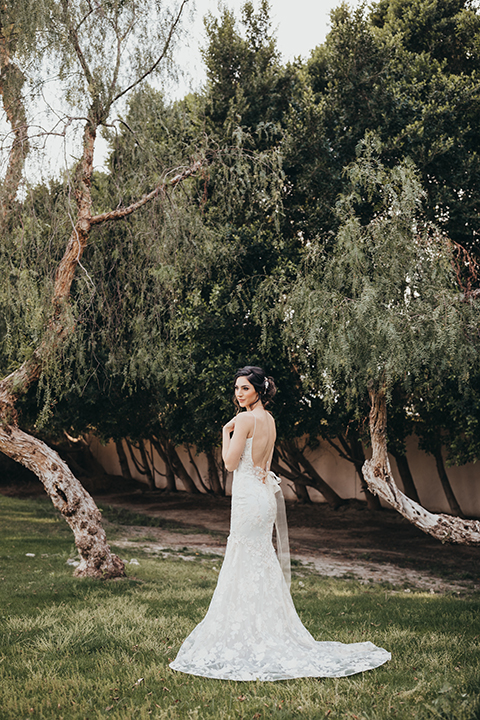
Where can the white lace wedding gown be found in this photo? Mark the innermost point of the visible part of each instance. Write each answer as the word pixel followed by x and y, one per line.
pixel 251 630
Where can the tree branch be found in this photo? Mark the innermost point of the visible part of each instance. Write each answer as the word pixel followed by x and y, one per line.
pixel 76 44
pixel 123 212
pixel 153 67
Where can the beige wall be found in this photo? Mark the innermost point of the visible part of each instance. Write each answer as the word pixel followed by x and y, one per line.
pixel 340 474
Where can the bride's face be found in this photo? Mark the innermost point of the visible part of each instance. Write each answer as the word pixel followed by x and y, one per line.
pixel 245 393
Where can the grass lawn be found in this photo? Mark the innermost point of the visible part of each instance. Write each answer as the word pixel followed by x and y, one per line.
pixel 88 649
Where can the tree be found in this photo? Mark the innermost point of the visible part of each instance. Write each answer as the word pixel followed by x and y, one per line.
pixel 382 308
pixel 102 53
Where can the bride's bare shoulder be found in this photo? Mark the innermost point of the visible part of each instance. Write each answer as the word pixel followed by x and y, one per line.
pixel 244 420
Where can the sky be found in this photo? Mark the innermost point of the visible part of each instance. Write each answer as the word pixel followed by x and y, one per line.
pixel 299 25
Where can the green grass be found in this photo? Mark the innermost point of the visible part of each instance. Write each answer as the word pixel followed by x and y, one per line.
pixel 83 649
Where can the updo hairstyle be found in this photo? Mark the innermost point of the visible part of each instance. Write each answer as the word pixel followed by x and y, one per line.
pixel 265 386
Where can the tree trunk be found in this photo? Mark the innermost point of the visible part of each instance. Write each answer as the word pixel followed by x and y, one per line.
pixel 11 83
pixel 317 482
pixel 179 469
pixel 123 460
pixel 147 471
pixel 197 471
pixel 358 458
pixel 61 485
pixel 69 497
pixel 380 480
pixel 447 488
pixel 301 492
pixel 213 479
pixel 171 485
pixel 406 475
pixel 299 488
pixel 169 474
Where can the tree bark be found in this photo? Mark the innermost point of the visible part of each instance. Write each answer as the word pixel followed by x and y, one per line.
pixel 69 497
pixel 406 475
pixel 169 474
pixel 11 82
pixel 301 492
pixel 123 460
pixel 213 479
pixel 380 480
pixel 197 471
pixel 447 488
pixel 316 481
pixel 357 455
pixel 299 488
pixel 179 469
pixel 293 457
pixel 146 465
pixel 171 485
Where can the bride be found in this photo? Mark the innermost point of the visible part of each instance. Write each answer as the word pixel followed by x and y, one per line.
pixel 251 630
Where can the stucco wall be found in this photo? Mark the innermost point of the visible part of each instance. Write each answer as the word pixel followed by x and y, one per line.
pixel 340 474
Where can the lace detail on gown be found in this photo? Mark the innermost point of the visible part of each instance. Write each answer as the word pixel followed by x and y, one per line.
pixel 251 630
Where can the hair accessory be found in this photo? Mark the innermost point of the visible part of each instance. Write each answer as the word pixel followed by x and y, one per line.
pixel 266 384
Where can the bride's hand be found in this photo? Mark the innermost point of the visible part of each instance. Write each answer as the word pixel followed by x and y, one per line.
pixel 229 427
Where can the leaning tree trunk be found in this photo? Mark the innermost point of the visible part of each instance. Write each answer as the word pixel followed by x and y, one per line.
pixel 65 491
pixel 452 501
pixel 179 469
pixel 123 460
pixel 317 482
pixel 302 478
pixel 213 478
pixel 358 458
pixel 406 475
pixel 148 472
pixel 61 485
pixel 171 485
pixel 69 497
pixel 380 480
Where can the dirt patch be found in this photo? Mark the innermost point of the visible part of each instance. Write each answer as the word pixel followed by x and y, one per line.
pixel 351 541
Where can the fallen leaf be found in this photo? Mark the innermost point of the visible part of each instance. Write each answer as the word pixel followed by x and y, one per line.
pixel 242 698
pixel 110 707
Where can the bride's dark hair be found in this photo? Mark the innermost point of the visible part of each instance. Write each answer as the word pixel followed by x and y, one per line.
pixel 265 386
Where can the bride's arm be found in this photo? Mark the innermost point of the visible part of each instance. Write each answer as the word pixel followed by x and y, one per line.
pixel 232 446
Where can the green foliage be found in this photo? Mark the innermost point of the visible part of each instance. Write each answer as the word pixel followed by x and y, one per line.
pixel 384 304
pixel 448 30
pixel 168 302
pixel 407 71
pixel 29 253
pixel 84 646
